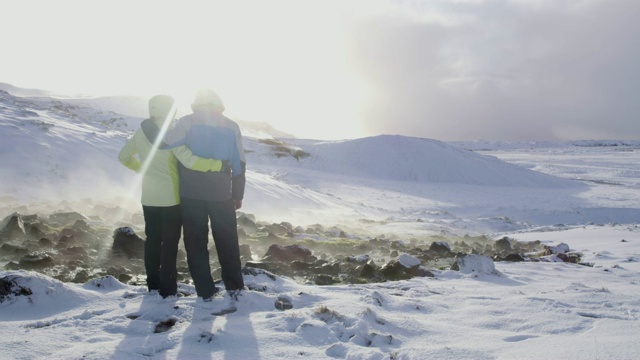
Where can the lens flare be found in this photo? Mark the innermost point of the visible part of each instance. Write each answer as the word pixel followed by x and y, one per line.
pixel 130 194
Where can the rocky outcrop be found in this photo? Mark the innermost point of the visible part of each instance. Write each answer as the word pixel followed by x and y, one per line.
pixel 10 288
pixel 289 253
pixel 475 264
pixel 11 228
pixel 66 218
pixel 127 243
pixel 72 247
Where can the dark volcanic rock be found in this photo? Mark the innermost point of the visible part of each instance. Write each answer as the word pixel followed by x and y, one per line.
pixel 35 261
pixel 394 271
pixel 368 270
pixel 13 249
pixel 120 273
pixel 247 224
pixel 82 225
pixel 12 227
pixel 289 253
pixel 36 233
pixel 359 258
pixel 569 257
pixel 474 264
pixel 278 229
pixel 323 279
pixel 297 265
pixel 283 303
pixel 77 236
pixel 421 272
pixel 510 258
pixel 66 218
pixel 70 247
pixel 76 251
pixel 332 268
pixel 264 265
pixel 245 251
pixel 562 248
pixel 440 247
pixel 530 246
pixel 9 287
pixel 81 277
pixel 44 242
pixel 256 272
pixel 126 242
pixel 503 244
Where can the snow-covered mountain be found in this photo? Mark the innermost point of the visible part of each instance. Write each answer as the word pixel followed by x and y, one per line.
pixel 18 91
pixel 54 149
pixel 402 158
pixel 484 145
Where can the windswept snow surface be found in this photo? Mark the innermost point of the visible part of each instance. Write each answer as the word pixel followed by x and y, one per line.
pixel 54 150
pixel 585 196
pixel 544 310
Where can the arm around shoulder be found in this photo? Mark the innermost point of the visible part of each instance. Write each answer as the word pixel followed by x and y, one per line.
pixel 194 162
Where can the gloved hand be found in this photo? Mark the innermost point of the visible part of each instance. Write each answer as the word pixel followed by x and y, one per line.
pixel 133 164
pixel 215 165
pixel 205 165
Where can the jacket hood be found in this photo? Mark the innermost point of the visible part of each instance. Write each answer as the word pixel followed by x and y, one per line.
pixel 207 99
pixel 161 107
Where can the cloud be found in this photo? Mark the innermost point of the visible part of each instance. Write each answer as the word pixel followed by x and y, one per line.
pixel 443 69
pixel 502 70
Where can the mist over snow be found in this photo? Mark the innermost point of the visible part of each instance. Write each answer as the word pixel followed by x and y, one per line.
pixel 577 204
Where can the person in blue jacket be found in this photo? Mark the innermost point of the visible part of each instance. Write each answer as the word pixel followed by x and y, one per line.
pixel 210 196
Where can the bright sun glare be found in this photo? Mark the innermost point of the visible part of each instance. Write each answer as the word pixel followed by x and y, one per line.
pixel 267 65
pixel 297 81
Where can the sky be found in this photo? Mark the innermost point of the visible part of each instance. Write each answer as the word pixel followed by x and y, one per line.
pixel 512 70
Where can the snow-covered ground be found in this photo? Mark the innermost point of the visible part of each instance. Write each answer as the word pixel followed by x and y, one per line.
pixel 587 197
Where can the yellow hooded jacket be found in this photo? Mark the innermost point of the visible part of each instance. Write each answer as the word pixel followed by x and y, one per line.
pixel 160 180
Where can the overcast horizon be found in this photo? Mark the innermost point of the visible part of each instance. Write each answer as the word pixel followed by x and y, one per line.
pixel 512 70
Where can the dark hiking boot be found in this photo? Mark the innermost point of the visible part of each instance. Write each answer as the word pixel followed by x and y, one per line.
pixel 216 290
pixel 234 294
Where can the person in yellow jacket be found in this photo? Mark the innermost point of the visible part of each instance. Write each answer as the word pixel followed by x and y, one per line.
pixel 160 191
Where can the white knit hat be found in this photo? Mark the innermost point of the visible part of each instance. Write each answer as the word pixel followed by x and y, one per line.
pixel 207 98
pixel 160 106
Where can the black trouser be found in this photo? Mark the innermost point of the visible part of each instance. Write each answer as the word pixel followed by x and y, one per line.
pixel 196 215
pixel 162 227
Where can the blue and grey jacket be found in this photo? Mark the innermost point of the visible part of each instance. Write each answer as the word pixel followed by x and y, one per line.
pixel 208 134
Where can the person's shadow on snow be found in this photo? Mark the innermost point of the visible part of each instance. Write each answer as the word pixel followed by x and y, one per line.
pixel 240 328
pixel 148 327
pixel 219 334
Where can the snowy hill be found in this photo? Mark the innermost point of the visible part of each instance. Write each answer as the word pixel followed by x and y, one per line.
pixel 62 150
pixel 133 106
pixel 483 145
pixel 402 158
pixel 52 149
pixel 18 91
